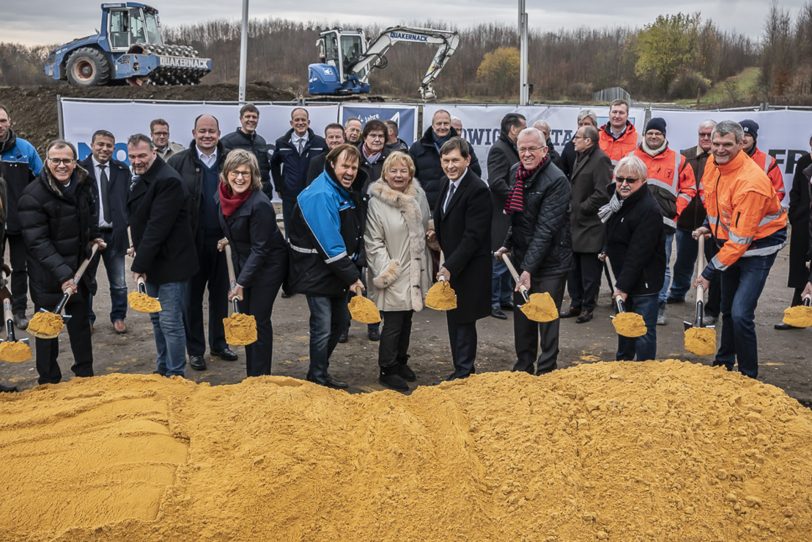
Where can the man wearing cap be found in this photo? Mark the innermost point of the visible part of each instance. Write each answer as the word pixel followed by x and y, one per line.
pixel 672 184
pixel 767 163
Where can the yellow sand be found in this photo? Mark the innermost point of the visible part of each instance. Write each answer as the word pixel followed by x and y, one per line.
pixel 799 316
pixel 629 324
pixel 441 296
pixel 45 325
pixel 143 303
pixel 700 341
pixel 364 310
pixel 540 308
pixel 653 451
pixel 14 352
pixel 241 329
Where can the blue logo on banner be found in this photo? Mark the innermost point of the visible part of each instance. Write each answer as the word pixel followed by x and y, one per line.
pixel 404 117
pixel 119 151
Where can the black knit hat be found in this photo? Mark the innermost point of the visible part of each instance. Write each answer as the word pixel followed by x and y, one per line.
pixel 750 127
pixel 656 123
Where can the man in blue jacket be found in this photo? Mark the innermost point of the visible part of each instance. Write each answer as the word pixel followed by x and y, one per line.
pixel 327 252
pixel 19 165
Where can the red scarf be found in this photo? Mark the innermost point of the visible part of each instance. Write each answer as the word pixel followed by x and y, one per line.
pixel 229 201
pixel 515 198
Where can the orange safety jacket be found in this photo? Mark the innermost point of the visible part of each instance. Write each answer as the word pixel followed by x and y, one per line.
pixel 744 214
pixel 668 173
pixel 616 149
pixel 770 166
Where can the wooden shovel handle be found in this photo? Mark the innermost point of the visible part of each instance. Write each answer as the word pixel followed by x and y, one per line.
pixel 83 267
pixel 515 275
pixel 232 279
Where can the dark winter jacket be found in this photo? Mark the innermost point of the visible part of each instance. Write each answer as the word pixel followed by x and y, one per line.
pixel 119 177
pixel 256 144
pixel 590 180
pixel 539 238
pixel 159 223
pixel 19 165
pixel 57 230
pixel 566 161
pixel 635 244
pixel 426 158
pixel 398 145
pixel 552 152
pixel 501 158
pixel 371 172
pixel 694 214
pixel 315 167
pixel 799 211
pixel 289 168
pixel 190 168
pixel 326 238
pixel 258 250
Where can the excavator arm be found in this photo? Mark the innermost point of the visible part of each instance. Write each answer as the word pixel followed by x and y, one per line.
pixel 375 54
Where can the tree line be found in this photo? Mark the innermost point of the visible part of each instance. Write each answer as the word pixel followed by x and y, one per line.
pixel 675 56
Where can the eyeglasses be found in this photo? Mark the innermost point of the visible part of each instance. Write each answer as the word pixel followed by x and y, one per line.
pixel 579 137
pixel 705 135
pixel 523 150
pixel 62 161
pixel 628 180
pixel 238 174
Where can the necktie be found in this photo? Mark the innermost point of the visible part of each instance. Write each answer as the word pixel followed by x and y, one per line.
pixel 300 145
pixel 448 199
pixel 104 184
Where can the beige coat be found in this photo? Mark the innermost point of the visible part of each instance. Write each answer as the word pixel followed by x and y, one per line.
pixel 399 264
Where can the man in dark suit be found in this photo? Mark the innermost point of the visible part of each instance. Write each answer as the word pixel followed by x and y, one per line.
pixel 165 254
pixel 501 158
pixel 539 244
pixel 462 219
pixel 590 178
pixel 110 179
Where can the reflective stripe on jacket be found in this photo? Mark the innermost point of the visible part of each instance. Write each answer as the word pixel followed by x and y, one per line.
pixel 744 214
pixel 769 165
pixel 667 173
pixel 616 149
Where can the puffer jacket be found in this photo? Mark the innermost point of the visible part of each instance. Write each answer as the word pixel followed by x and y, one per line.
pixel 399 263
pixel 426 156
pixel 539 237
pixel 57 230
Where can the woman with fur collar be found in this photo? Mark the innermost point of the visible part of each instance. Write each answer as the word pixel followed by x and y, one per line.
pixel 398 261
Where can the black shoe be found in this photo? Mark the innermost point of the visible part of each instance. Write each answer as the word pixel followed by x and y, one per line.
pixel 286 295
pixel 674 300
pixel 571 313
pixel 496 312
pixel 393 381
pixel 226 354
pixel 373 334
pixel 20 321
pixel 198 363
pixel 335 383
pixel 406 373
pixel 457 376
pixel 507 306
pixel 344 337
pixel 8 389
pixel 783 327
pixel 584 317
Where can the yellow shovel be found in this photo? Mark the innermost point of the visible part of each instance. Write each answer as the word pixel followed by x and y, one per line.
pixel 538 307
pixel 626 324
pixel 700 339
pixel 240 329
pixel 46 324
pixel 800 316
pixel 363 310
pixel 12 350
pixel 140 301
pixel 441 296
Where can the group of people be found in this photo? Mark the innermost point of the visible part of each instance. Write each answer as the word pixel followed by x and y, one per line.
pixel 366 214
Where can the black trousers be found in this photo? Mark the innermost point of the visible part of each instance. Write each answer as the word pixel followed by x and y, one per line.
pixel 584 280
pixel 393 349
pixel 214 275
pixel 713 306
pixel 78 326
pixel 258 301
pixel 19 274
pixel 462 338
pixel 527 334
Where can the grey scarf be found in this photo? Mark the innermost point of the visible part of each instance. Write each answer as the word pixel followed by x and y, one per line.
pixel 614 205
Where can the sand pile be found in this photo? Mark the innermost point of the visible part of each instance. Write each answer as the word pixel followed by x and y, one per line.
pixel 608 451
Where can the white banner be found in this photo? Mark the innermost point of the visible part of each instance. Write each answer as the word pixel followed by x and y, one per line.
pixel 81 118
pixel 480 123
pixel 782 134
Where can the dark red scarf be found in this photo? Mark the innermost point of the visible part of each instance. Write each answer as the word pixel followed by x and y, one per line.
pixel 515 198
pixel 229 201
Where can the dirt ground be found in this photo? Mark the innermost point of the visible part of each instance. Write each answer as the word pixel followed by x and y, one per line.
pixel 785 358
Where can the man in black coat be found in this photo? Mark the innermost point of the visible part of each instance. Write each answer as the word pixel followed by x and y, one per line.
pixel 59 224
pixel 164 247
pixel 246 137
pixel 501 158
pixel 539 245
pixel 199 167
pixel 462 220
pixel 565 162
pixel 590 179
pixel 110 180
pixel 426 155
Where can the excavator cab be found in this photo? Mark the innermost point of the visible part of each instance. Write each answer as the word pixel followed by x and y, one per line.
pixel 130 25
pixel 339 51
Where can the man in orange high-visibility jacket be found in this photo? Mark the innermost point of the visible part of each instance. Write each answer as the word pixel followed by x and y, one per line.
pixel 750 227
pixel 672 184
pixel 767 163
pixel 618 137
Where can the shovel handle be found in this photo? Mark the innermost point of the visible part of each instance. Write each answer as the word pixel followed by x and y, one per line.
pixel 62 303
pixel 9 318
pixel 620 304
pixel 515 275
pixel 232 280
pixel 83 267
pixel 807 301
pixel 141 285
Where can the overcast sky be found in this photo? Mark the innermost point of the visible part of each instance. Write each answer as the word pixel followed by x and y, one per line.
pixel 35 22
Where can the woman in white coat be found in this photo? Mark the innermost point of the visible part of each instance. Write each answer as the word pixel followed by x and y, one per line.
pixel 398 261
